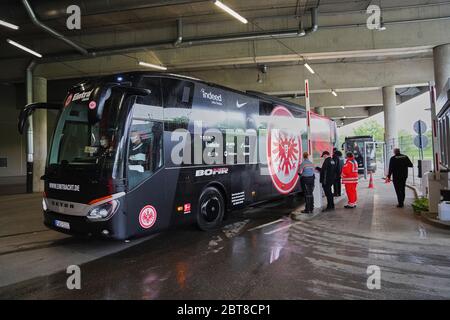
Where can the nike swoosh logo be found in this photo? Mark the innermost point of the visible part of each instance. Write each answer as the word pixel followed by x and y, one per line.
pixel 240 105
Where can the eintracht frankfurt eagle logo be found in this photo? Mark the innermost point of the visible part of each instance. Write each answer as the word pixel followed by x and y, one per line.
pixel 284 148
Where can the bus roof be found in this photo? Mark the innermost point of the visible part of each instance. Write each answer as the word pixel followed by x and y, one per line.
pixel 359 137
pixel 270 98
pixel 253 94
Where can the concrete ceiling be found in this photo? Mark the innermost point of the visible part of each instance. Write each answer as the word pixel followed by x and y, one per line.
pixel 347 57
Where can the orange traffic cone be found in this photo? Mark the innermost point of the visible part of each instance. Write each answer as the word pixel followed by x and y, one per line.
pixel 371 185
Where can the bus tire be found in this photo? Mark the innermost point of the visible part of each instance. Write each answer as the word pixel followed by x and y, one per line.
pixel 211 209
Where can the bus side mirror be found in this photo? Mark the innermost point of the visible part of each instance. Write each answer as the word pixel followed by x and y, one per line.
pixel 28 111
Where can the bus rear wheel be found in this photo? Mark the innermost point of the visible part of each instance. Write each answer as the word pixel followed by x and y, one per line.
pixel 211 209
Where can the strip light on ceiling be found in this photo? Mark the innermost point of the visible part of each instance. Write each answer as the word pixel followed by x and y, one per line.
pixel 150 65
pixel 310 69
pixel 230 11
pixel 334 93
pixel 18 45
pixel 9 25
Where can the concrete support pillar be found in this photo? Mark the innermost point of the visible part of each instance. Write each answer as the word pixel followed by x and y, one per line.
pixel 441 66
pixel 320 110
pixel 390 119
pixel 39 133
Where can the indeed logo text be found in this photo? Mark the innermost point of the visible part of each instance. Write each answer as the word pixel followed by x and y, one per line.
pixel 214 98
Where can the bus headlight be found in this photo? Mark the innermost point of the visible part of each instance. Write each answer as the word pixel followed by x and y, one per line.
pixel 104 211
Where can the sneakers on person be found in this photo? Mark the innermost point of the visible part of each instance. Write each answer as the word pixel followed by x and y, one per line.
pixel 349 207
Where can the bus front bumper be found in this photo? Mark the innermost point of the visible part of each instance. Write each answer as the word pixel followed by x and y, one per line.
pixel 82 226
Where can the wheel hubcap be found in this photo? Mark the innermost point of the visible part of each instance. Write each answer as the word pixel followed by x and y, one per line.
pixel 210 209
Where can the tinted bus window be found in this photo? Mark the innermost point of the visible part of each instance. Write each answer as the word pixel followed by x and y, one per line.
pixel 154 85
pixel 177 93
pixel 178 98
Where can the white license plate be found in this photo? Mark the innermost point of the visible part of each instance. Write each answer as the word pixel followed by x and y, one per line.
pixel 62 224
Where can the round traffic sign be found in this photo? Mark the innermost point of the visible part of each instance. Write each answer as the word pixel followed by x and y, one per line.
pixel 421 142
pixel 420 127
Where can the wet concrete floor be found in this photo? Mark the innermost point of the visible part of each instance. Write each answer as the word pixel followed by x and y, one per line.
pixel 262 254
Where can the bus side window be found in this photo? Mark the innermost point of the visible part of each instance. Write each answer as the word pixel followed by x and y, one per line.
pixel 178 98
pixel 177 93
pixel 145 152
pixel 154 98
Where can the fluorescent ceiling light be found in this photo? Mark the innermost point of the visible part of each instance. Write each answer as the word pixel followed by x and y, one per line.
pixel 343 107
pixel 307 66
pixel 18 45
pixel 334 93
pixel 8 25
pixel 150 65
pixel 230 11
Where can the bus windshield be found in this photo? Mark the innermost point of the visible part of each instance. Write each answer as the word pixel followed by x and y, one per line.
pixel 78 142
pixel 358 146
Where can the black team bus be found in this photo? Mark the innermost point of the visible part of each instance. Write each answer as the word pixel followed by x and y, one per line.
pixel 137 153
pixel 357 146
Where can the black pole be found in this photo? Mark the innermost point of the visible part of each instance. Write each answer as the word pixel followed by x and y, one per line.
pixel 29 177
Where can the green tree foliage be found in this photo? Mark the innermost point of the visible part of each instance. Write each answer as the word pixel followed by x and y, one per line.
pixel 370 128
pixel 407 146
pixel 405 142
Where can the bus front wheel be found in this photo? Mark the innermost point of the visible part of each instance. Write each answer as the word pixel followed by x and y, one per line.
pixel 211 209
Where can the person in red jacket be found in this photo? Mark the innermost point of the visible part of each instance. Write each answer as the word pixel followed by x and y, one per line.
pixel 350 180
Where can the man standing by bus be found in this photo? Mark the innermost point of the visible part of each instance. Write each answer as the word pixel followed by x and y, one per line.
pixel 307 177
pixel 337 156
pixel 350 180
pixel 327 178
pixel 398 170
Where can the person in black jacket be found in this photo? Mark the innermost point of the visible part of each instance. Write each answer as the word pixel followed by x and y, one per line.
pixel 398 171
pixel 337 186
pixel 327 178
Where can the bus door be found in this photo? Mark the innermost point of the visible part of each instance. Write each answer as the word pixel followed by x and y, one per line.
pixel 147 208
pixel 262 182
pixel 242 112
